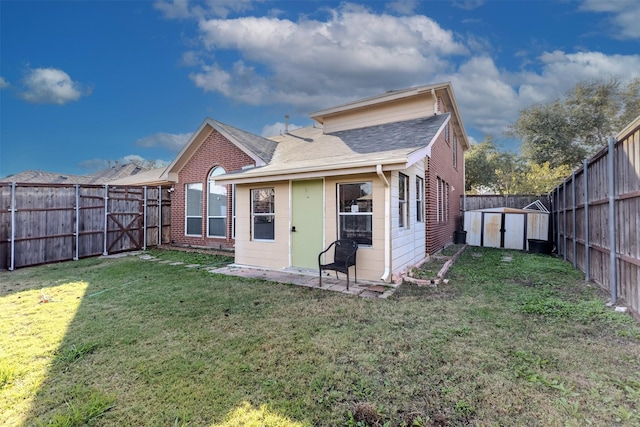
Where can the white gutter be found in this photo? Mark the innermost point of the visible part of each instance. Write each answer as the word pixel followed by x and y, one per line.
pixel 435 102
pixel 387 224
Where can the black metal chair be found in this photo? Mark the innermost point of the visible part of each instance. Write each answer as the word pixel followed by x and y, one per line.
pixel 344 256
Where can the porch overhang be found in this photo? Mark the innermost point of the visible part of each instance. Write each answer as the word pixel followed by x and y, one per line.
pixel 291 173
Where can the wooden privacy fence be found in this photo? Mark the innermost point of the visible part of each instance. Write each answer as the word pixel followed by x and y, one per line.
pixel 43 223
pixel 596 215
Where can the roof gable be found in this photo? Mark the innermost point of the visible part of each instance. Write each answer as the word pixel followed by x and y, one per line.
pixel 260 149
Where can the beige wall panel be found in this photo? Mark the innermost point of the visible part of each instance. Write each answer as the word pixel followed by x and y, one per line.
pixel 259 253
pixel 375 115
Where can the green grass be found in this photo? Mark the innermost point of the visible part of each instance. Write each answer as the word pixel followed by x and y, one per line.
pixel 132 342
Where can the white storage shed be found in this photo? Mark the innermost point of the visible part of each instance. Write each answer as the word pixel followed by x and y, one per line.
pixel 507 228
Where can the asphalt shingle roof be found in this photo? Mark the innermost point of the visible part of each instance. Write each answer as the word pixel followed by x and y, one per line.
pixel 413 133
pixel 261 147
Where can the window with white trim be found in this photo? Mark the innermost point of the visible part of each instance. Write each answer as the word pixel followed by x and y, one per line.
pixel 442 200
pixel 403 200
pixel 263 214
pixel 446 133
pixel 193 209
pixel 455 151
pixel 419 199
pixel 355 212
pixel 216 206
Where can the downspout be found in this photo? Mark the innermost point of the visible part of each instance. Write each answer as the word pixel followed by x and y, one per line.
pixel 435 102
pixel 387 224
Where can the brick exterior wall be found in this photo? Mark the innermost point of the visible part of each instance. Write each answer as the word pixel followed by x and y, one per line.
pixel 440 233
pixel 214 151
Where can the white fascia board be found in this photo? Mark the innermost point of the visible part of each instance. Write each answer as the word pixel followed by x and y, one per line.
pixel 374 100
pixel 426 151
pixel 306 173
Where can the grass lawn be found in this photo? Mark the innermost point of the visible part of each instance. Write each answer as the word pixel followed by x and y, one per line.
pixel 129 342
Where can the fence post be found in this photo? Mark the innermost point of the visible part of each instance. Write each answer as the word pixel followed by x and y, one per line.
pixel 558 217
pixel 159 215
pixel 613 282
pixel 564 219
pixel 573 218
pixel 77 228
pixel 12 251
pixel 144 219
pixel 587 254
pixel 106 217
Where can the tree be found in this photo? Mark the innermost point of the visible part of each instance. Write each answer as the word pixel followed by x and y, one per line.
pixel 564 132
pixel 541 179
pixel 480 164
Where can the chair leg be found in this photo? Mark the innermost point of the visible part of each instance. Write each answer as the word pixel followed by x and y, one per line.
pixel 347 278
pixel 320 285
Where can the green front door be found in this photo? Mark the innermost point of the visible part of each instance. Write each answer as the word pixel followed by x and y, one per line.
pixel 306 223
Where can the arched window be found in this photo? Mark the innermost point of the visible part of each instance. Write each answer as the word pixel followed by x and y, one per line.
pixel 217 205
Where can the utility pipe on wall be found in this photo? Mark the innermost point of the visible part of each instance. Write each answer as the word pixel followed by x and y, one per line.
pixel 387 224
pixel 613 282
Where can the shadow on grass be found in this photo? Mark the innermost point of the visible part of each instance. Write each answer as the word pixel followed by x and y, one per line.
pixel 119 342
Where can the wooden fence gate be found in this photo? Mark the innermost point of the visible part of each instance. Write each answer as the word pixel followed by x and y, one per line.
pixel 43 223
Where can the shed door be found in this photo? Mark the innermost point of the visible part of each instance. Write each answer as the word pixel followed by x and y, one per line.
pixel 492 229
pixel 514 231
pixel 307 220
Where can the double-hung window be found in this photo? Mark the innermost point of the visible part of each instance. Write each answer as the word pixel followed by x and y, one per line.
pixel 193 208
pixel 263 214
pixel 403 200
pixel 419 199
pixel 217 206
pixel 355 212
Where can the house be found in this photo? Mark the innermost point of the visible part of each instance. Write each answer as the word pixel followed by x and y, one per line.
pixel 387 171
pixel 130 171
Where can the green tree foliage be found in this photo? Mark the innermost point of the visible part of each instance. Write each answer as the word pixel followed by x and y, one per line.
pixel 490 170
pixel 566 131
pixel 480 164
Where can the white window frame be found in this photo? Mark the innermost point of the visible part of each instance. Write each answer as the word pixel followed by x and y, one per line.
pixel 419 199
pixel 354 210
pixel 455 151
pixel 403 200
pixel 271 214
pixel 218 170
pixel 186 208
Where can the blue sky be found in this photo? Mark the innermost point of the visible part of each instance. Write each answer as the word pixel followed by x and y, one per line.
pixel 86 83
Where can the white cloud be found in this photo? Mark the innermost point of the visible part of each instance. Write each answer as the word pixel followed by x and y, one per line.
pixel 468 4
pixel 276 129
pixel 303 62
pixel 3 83
pixel 624 16
pixel 170 141
pixel 183 9
pixel 491 99
pixel 403 7
pixel 50 86
pixel 308 64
